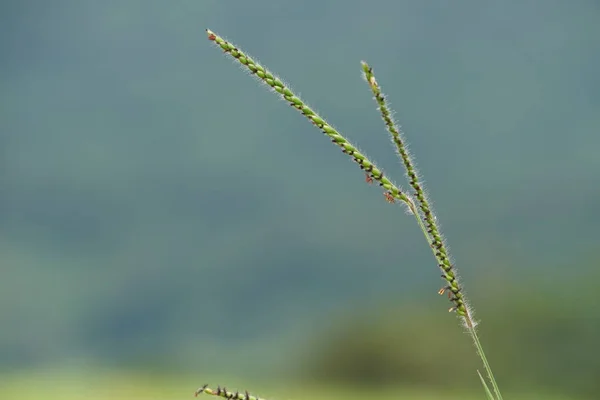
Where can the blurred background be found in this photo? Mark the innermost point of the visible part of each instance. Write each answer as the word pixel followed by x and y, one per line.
pixel 166 222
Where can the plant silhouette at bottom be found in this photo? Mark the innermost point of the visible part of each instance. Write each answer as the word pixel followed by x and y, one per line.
pixel 226 394
pixel 416 201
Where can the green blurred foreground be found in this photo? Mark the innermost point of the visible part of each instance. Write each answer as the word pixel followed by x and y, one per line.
pixel 535 340
pixel 131 385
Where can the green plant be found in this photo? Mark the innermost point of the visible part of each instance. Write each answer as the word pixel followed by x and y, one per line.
pixel 416 202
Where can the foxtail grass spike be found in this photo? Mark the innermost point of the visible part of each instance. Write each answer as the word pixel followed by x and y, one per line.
pixel 425 210
pixel 226 394
pixel 278 86
pixel 428 223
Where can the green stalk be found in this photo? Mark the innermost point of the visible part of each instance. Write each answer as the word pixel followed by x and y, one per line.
pixel 488 392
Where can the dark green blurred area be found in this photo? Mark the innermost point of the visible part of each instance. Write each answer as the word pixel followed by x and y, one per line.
pixel 534 339
pixel 159 209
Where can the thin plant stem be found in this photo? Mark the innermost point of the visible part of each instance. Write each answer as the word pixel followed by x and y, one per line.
pixel 488 392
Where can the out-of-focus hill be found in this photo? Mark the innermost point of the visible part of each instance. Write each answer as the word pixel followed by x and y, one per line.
pixel 153 198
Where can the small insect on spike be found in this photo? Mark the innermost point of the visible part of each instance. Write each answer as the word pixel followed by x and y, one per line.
pixel 368 179
pixel 388 197
pixel 211 36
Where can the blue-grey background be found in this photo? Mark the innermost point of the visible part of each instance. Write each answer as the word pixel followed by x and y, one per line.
pixel 159 207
